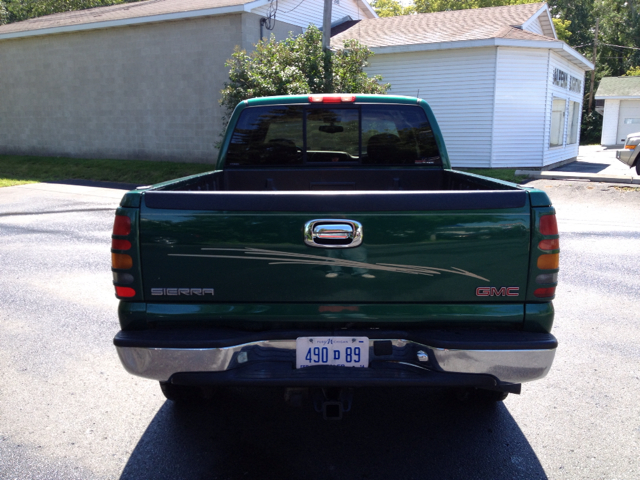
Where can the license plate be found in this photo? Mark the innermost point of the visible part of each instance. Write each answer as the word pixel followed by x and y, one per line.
pixel 338 351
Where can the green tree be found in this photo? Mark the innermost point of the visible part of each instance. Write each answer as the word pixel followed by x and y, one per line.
pixel 391 8
pixel 562 29
pixel 4 13
pixel 297 66
pixel 633 72
pixel 430 6
pixel 19 10
pixel 577 20
pixel 619 36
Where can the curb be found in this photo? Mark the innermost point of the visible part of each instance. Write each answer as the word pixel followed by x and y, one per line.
pixel 592 177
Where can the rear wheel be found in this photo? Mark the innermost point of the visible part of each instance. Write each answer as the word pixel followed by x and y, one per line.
pixel 479 395
pixel 490 396
pixel 181 393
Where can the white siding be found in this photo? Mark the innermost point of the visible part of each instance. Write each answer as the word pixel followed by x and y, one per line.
pixel 520 109
pixel 610 122
pixel 558 154
pixel 535 27
pixel 310 12
pixel 459 87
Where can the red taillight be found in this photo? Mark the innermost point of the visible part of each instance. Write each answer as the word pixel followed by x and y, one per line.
pixel 553 244
pixel 545 292
pixel 125 292
pixel 548 225
pixel 120 244
pixel 332 98
pixel 122 225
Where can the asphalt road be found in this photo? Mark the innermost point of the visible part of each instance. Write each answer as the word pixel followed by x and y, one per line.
pixel 68 410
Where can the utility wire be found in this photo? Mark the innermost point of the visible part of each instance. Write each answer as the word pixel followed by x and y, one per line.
pixel 606 44
pixel 619 46
pixel 269 21
pixel 289 11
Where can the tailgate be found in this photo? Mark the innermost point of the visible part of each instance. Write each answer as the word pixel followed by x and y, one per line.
pixel 417 247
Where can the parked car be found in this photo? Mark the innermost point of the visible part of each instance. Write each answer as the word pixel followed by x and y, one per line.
pixel 631 152
pixel 333 234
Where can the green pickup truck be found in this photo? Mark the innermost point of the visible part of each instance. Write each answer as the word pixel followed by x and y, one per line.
pixel 332 248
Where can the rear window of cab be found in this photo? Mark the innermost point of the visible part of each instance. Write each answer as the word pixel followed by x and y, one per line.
pixel 296 135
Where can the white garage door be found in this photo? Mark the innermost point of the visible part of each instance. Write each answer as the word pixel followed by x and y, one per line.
pixel 629 119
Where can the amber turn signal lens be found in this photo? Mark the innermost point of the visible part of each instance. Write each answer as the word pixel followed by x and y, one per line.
pixel 545 292
pixel 548 225
pixel 549 244
pixel 122 261
pixel 125 292
pixel 549 261
pixel 120 244
pixel 122 225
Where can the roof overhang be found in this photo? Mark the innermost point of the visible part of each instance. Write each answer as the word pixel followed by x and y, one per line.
pixel 247 7
pixel 544 15
pixel 367 7
pixel 557 46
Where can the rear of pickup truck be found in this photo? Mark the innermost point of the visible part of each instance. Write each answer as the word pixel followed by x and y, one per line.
pixel 334 247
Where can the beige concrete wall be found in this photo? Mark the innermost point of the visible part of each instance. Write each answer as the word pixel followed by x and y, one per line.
pixel 143 92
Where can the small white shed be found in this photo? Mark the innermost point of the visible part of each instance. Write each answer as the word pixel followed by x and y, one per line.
pixel 618 101
pixel 506 92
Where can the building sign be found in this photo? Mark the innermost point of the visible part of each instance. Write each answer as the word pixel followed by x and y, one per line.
pixel 564 80
pixel 575 84
pixel 560 78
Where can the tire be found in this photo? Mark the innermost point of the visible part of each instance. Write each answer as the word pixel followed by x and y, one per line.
pixel 480 396
pixel 491 396
pixel 638 166
pixel 181 393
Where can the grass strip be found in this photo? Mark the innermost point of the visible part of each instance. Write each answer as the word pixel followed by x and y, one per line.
pixel 19 170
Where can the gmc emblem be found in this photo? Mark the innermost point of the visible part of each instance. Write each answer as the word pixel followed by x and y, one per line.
pixel 495 292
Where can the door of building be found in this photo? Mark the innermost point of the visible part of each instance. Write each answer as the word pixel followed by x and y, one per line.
pixel 629 119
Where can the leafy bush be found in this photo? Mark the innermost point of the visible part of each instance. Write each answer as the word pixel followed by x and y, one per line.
pixel 591 128
pixel 19 10
pixel 297 65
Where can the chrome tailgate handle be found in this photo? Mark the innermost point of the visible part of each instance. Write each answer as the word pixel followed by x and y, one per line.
pixel 335 232
pixel 331 233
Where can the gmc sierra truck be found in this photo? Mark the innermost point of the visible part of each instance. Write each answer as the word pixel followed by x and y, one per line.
pixel 333 247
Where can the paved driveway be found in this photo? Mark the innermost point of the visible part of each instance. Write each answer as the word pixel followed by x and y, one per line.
pixel 597 159
pixel 69 411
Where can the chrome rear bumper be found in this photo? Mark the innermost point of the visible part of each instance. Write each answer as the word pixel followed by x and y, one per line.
pixel 506 365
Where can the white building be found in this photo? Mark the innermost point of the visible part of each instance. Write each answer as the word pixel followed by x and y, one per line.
pixel 142 80
pixel 506 92
pixel 618 101
pixel 136 80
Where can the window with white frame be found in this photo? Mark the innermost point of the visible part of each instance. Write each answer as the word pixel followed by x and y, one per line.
pixel 556 136
pixel 574 120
